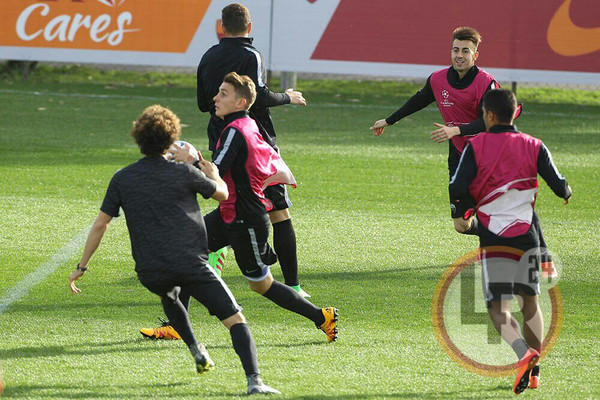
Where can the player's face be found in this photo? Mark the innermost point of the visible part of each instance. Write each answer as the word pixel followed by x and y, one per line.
pixel 464 54
pixel 226 101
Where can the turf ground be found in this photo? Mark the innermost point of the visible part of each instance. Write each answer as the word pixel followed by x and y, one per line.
pixel 374 238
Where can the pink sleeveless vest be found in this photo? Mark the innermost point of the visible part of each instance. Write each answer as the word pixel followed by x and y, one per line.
pixel 264 165
pixel 459 106
pixel 506 185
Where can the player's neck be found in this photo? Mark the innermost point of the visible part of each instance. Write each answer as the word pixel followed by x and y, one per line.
pixel 237 35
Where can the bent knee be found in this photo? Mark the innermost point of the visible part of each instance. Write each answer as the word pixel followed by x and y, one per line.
pixel 279 215
pixel 237 318
pixel 263 285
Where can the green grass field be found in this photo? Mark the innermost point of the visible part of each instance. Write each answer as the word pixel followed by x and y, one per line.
pixel 374 237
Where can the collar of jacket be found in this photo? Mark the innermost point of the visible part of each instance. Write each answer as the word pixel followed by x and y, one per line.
pixel 229 118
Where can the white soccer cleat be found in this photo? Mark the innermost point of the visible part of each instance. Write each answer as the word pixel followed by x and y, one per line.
pixel 257 386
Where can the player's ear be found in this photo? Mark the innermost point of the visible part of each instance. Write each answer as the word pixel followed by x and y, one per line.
pixel 476 55
pixel 249 27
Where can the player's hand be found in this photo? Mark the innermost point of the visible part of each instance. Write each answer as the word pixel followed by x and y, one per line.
pixel 72 278
pixel 570 191
pixel 378 127
pixel 296 97
pixel 184 154
pixel 444 133
pixel 209 169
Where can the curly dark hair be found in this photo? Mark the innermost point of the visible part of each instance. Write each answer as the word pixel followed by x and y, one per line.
pixel 156 130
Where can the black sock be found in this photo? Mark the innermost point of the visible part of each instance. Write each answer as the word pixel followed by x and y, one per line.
pixel 284 242
pixel 244 346
pixel 178 318
pixel 473 229
pixel 286 297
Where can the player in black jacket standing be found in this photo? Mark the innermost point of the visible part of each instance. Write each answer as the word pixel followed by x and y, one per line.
pixel 235 53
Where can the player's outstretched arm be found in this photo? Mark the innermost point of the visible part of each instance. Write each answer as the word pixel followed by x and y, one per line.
pixel 379 126
pixel 91 245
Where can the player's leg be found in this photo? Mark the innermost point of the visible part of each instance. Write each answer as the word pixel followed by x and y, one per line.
pixel 528 287
pixel 244 346
pixel 217 239
pixel 210 290
pixel 461 211
pixel 216 260
pixel 178 317
pixel 254 256
pixel 498 278
pixel 284 235
pixel 509 329
pixel 533 330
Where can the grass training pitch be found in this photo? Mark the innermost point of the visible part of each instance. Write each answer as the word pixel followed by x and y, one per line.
pixel 374 237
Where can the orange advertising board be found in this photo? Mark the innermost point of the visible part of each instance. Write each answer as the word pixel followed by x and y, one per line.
pixel 126 25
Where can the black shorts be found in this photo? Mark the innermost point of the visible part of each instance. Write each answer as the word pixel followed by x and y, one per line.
pixel 202 283
pixel 278 196
pixel 458 209
pixel 248 241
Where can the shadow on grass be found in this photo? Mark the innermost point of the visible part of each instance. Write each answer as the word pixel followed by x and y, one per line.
pixel 386 274
pixel 81 349
pixel 122 346
pixel 37 307
pixel 104 391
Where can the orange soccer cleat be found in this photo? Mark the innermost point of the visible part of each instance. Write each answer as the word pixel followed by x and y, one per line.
pixel 329 326
pixel 164 331
pixel 524 367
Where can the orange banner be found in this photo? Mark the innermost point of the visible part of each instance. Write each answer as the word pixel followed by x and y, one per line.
pixel 126 25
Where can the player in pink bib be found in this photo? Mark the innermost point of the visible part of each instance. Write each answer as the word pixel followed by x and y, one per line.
pixel 499 170
pixel 458 91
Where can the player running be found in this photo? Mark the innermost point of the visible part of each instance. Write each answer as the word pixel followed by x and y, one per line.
pixel 499 169
pixel 248 164
pixel 168 237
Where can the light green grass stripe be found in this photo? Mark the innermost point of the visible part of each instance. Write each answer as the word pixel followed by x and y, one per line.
pixel 59 258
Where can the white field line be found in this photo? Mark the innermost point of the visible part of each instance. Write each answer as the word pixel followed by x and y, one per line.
pixel 326 105
pixel 61 257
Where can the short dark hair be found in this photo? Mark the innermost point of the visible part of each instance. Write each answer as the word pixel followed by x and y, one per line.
pixel 467 33
pixel 156 130
pixel 501 102
pixel 235 19
pixel 243 85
